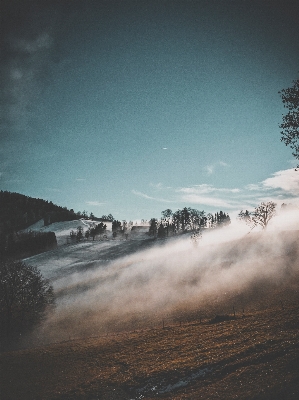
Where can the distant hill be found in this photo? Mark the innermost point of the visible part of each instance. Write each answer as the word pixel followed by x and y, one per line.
pixel 18 211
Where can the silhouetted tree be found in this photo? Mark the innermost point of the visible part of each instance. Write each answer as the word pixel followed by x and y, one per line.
pixel 24 297
pixel 211 221
pixel 222 219
pixel 166 217
pixel 153 227
pixel 108 217
pixel 185 218
pixel 196 219
pixel 161 231
pixel 80 233
pixel 116 227
pixel 244 216
pixel 97 230
pixel 176 221
pixel 290 121
pixel 261 215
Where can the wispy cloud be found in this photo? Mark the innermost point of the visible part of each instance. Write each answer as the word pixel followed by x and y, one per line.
pixel 286 180
pixel 159 186
pixel 206 201
pixel 95 203
pixel 208 195
pixel 210 169
pixel 145 196
pixel 204 188
pixel 282 186
pixel 254 187
pixel 223 164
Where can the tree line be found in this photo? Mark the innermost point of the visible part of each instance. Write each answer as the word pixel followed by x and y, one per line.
pixel 186 220
pixel 26 244
pixel 119 228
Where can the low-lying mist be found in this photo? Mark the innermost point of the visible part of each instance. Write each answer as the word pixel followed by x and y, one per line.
pixel 174 278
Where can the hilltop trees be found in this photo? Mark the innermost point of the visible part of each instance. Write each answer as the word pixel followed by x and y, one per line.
pixel 93 231
pixel 24 298
pixel 186 220
pixel 26 244
pixel 290 121
pixel 261 215
pixel 108 217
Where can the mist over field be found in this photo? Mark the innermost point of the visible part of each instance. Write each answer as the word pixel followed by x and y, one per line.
pixel 112 286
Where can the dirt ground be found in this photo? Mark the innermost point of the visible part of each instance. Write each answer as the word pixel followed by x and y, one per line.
pixel 252 355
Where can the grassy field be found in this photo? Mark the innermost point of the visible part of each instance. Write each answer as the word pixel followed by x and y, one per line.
pixel 254 355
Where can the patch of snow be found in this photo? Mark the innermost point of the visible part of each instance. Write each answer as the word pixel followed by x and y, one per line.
pixel 62 229
pixel 162 388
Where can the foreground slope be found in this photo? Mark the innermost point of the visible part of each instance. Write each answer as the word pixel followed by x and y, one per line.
pixel 252 356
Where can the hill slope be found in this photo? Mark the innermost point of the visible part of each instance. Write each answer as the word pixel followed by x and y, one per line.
pixel 114 286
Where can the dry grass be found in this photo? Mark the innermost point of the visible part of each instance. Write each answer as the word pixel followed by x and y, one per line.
pixel 254 356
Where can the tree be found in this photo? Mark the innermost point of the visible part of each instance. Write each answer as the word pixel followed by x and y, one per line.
pixel 80 232
pixel 222 219
pixel 153 227
pixel 24 297
pixel 108 217
pixel 196 218
pixel 161 231
pixel 244 216
pixel 185 218
pixel 176 221
pixel 166 215
pixel 97 229
pixel 116 227
pixel 210 221
pixel 261 215
pixel 290 121
pixel 84 214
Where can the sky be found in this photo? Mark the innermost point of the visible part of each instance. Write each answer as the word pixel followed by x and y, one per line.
pixel 133 107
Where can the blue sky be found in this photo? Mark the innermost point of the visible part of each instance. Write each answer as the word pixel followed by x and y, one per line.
pixel 132 107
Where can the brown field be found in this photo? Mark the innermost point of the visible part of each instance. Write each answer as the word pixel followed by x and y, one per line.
pixel 252 356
